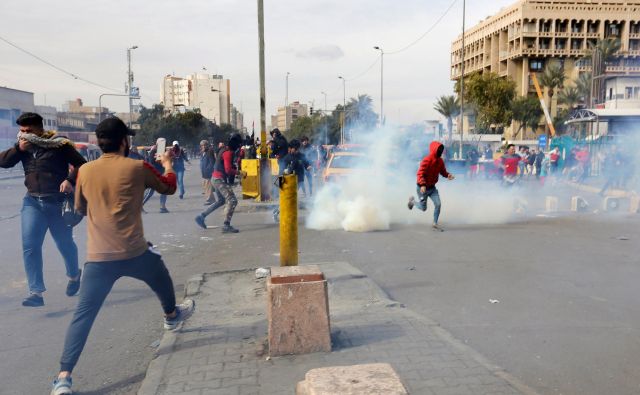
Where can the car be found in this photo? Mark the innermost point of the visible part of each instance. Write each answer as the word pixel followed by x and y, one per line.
pixel 342 164
pixel 88 151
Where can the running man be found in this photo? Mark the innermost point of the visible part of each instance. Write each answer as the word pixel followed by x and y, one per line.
pixel 116 246
pixel 431 167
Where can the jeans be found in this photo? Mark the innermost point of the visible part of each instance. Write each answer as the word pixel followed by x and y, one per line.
pixel 180 178
pixel 38 215
pixel 97 281
pixel 432 192
pixel 226 197
pixel 308 178
pixel 147 195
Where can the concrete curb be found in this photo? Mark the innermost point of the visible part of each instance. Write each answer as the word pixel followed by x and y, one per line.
pixel 155 372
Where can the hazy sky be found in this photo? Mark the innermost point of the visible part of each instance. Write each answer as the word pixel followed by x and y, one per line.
pixel 313 40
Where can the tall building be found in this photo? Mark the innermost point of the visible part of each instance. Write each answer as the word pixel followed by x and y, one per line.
pixel 288 114
pixel 13 102
pixel 524 37
pixel 206 92
pixel 237 118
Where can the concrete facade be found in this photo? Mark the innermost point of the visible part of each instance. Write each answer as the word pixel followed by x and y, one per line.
pixel 288 114
pixel 13 102
pixel 523 38
pixel 209 93
pixel 49 116
pixel 622 92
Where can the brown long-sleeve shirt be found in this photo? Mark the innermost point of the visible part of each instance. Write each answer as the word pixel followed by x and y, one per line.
pixel 109 191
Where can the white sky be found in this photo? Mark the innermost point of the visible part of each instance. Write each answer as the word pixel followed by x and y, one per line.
pixel 314 40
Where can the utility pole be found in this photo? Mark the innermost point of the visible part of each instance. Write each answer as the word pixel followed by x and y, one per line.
pixel 286 95
pixel 265 168
pixel 344 108
pixel 381 84
pixel 462 81
pixel 130 83
pixel 325 101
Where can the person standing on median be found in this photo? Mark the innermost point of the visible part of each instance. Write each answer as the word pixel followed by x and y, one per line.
pixel 109 192
pixel 224 173
pixel 45 158
pixel 431 167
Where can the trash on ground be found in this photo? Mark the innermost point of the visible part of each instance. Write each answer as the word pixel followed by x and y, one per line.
pixel 622 237
pixel 261 272
pixel 494 301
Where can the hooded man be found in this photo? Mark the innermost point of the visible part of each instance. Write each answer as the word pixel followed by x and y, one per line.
pixel 179 157
pixel 431 167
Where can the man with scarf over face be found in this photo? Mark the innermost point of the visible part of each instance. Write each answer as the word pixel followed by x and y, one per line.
pixel 45 158
pixel 431 167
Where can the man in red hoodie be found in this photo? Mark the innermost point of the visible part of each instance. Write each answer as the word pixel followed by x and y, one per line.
pixel 431 167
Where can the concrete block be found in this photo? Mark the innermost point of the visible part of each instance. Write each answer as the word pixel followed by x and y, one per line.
pixel 369 379
pixel 551 204
pixel 579 204
pixel 298 311
pixel 610 203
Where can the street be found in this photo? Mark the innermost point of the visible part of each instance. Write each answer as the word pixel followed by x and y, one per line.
pixel 565 321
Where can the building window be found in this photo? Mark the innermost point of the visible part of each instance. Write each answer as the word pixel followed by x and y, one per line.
pixel 536 65
pixel 636 92
pixel 610 93
pixel 628 92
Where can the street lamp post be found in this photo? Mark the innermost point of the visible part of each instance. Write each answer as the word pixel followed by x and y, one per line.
pixel 325 101
pixel 462 82
pixel 344 108
pixel 286 95
pixel 130 82
pixel 381 84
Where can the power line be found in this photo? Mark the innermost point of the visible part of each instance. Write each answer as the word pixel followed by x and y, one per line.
pixel 366 71
pixel 425 33
pixel 74 76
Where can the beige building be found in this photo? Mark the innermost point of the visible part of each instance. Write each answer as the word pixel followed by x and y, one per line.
pixel 211 94
pixel 288 114
pixel 521 39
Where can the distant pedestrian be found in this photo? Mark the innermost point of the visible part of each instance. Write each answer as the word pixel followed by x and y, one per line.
pixel 149 192
pixel 473 159
pixel 179 157
pixel 293 163
pixel 45 158
pixel 224 174
pixel 116 246
pixel 510 163
pixel 207 161
pixel 431 167
pixel 554 160
pixel 307 151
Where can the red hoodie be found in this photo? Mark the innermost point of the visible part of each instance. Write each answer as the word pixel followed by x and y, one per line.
pixel 431 167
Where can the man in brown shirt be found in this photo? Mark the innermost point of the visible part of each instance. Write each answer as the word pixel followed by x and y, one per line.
pixel 109 191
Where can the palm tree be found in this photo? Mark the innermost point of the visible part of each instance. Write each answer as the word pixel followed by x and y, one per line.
pixel 359 112
pixel 570 97
pixel 449 108
pixel 607 48
pixel 527 112
pixel 583 85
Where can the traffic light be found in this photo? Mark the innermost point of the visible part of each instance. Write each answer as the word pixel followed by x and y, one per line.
pixel 311 110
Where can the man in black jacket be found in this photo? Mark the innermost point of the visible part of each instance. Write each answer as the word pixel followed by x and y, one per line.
pixel 45 158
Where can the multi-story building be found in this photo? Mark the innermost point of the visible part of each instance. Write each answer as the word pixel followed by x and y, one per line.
pixel 288 114
pixel 49 116
pixel 622 92
pixel 208 93
pixel 237 118
pixel 522 38
pixel 13 102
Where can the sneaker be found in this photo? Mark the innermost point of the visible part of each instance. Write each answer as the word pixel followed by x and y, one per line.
pixel 184 311
pixel 412 202
pixel 182 196
pixel 229 229
pixel 33 301
pixel 61 386
pixel 163 210
pixel 437 228
pixel 200 222
pixel 73 286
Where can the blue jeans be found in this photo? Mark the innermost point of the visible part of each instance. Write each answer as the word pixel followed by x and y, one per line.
pixel 432 193
pixel 180 178
pixel 38 215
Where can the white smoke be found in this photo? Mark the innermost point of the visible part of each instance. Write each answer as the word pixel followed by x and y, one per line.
pixel 376 198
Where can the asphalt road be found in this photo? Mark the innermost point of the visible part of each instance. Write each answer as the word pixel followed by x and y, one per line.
pixel 566 322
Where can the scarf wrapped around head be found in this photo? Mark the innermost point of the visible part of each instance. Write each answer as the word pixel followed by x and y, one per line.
pixel 48 140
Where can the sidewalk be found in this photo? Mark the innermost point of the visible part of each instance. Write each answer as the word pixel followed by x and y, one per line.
pixel 222 348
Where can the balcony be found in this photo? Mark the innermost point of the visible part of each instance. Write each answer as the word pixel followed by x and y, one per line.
pixel 634 52
pixel 546 34
pixel 529 51
pixel 576 52
pixel 562 34
pixel 561 51
pixel 593 35
pixel 634 35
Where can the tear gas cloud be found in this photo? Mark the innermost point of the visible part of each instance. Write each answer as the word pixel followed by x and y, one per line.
pixel 375 197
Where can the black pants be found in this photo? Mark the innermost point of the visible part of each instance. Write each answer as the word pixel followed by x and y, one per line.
pixel 97 280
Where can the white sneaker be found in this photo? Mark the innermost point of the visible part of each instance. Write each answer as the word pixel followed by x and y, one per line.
pixel 183 311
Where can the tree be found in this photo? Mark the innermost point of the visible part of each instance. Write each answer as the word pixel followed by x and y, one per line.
pixel 188 128
pixel 359 113
pixel 302 126
pixel 492 97
pixel 526 111
pixel 607 48
pixel 570 97
pixel 552 78
pixel 448 107
pixel 583 85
